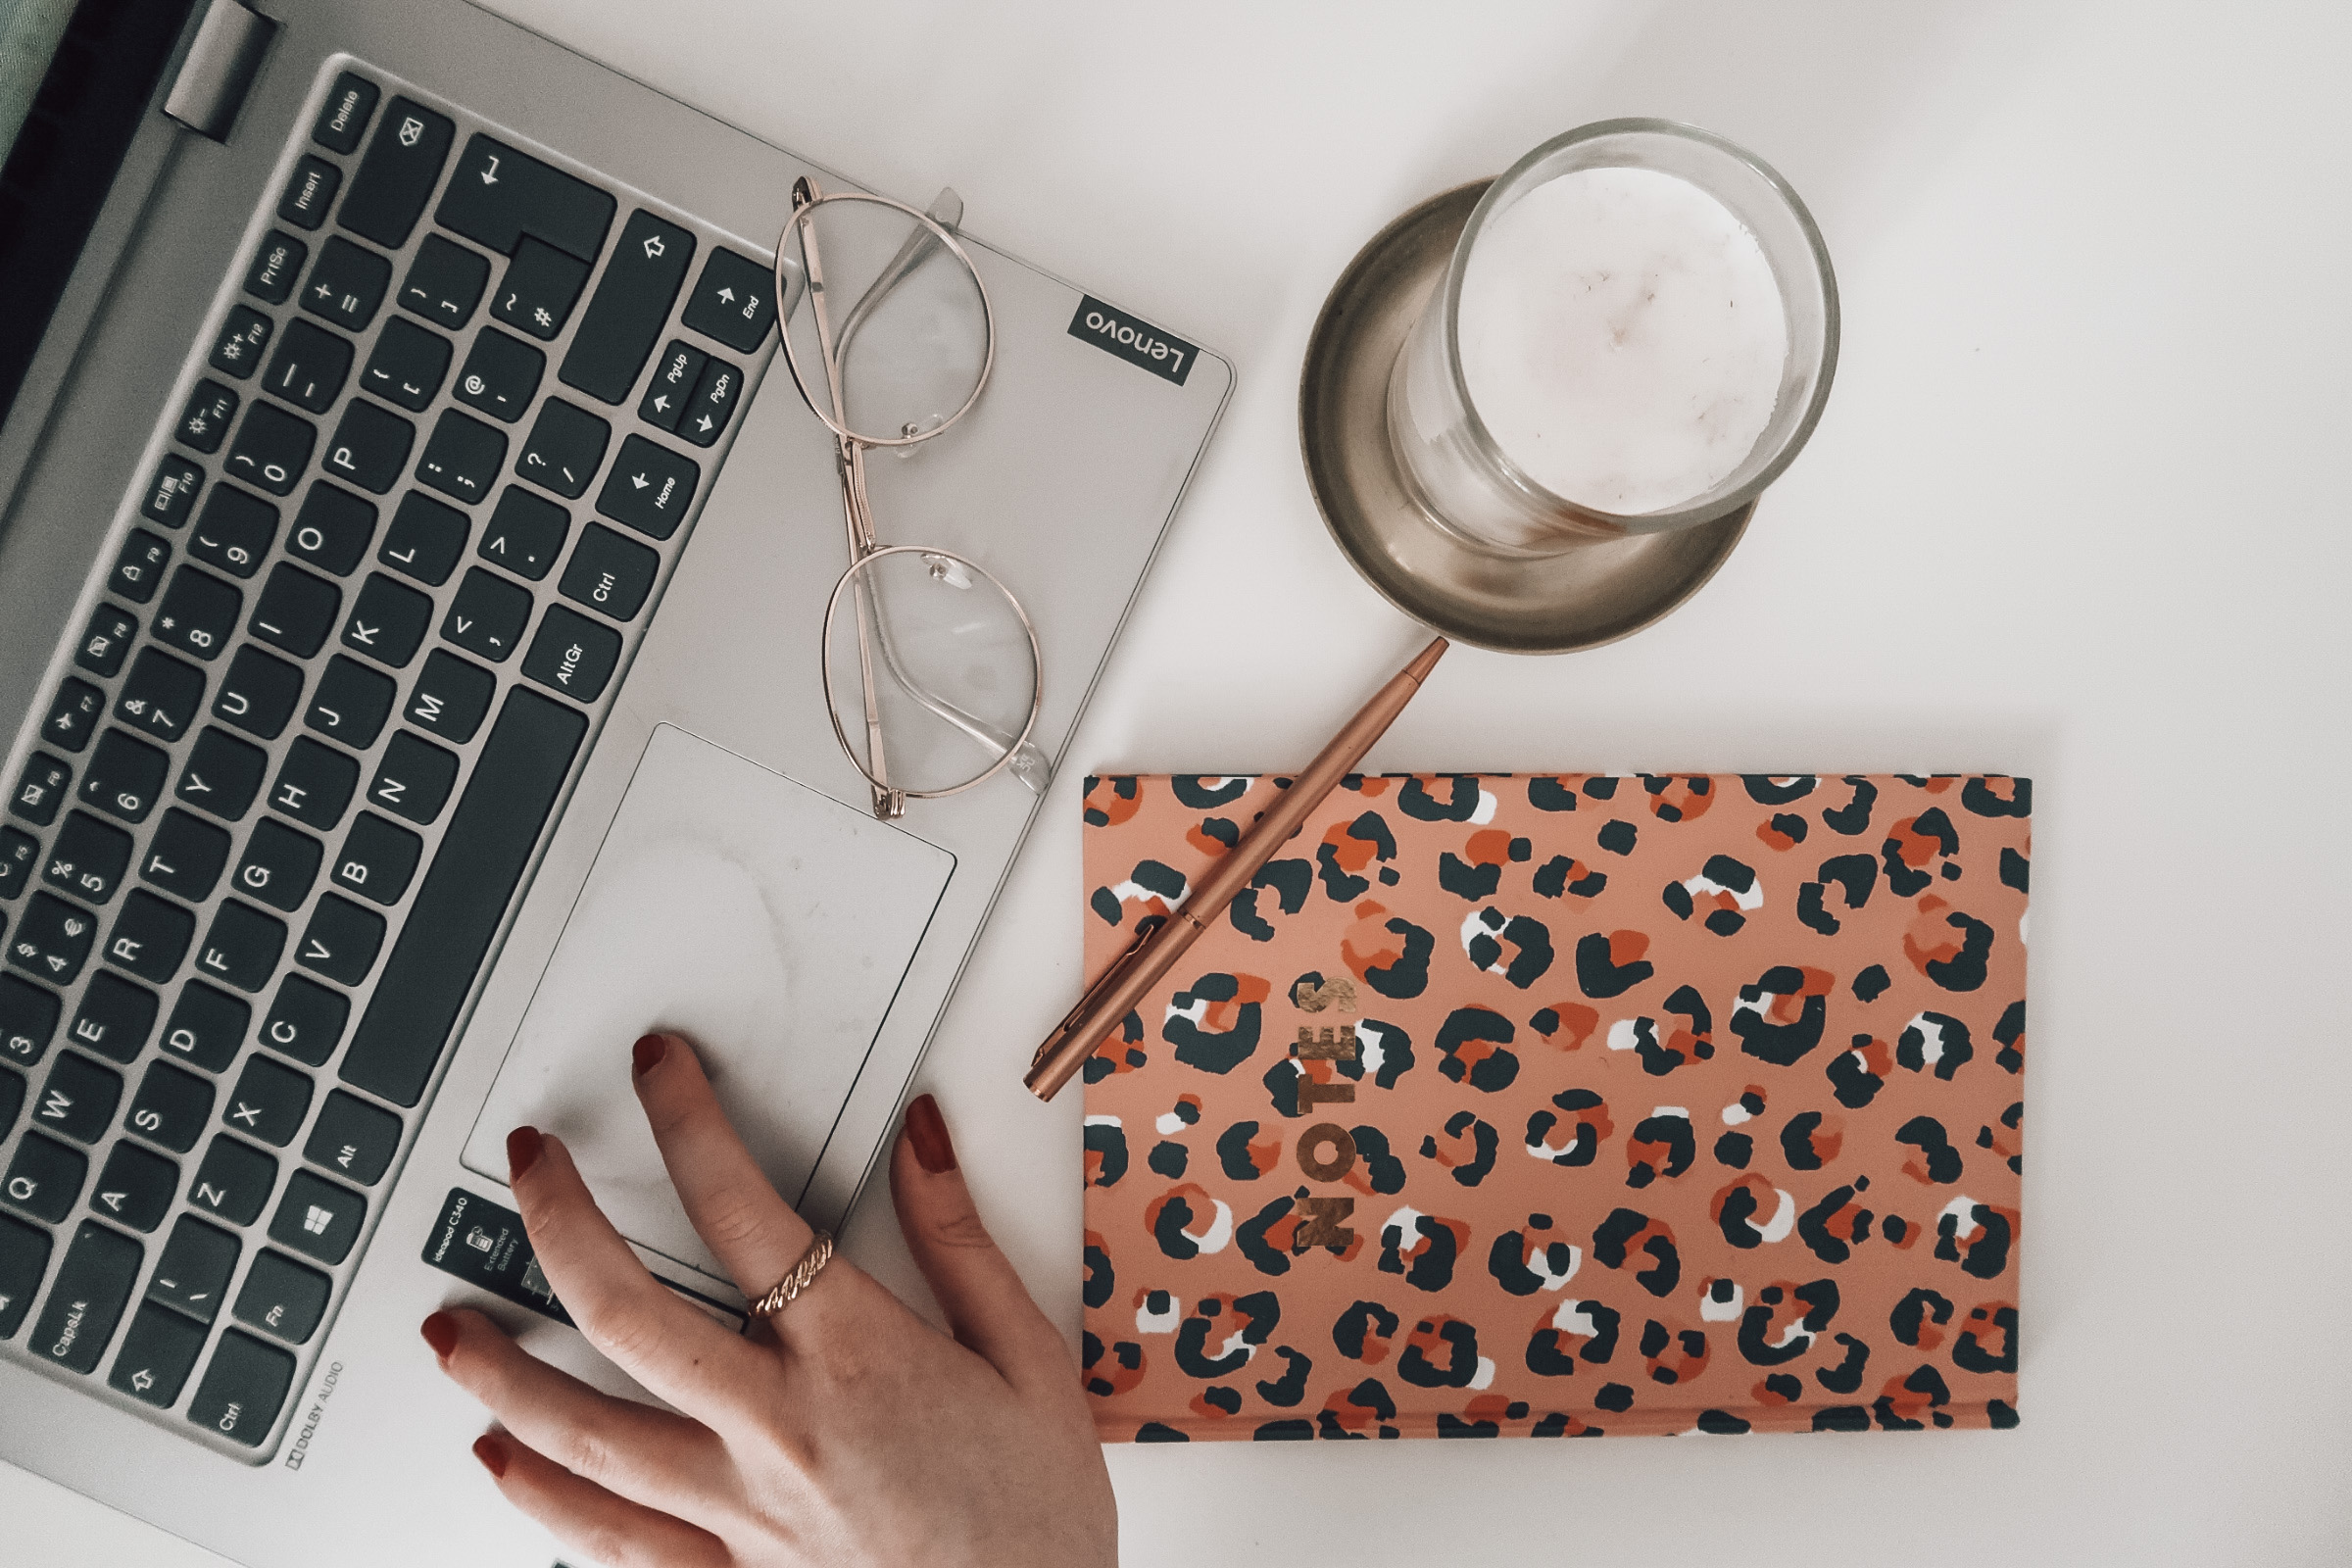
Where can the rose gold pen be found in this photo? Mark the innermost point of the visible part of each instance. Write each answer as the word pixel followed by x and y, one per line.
pixel 1110 999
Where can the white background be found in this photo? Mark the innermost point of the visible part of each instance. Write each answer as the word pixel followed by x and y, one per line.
pixel 2073 513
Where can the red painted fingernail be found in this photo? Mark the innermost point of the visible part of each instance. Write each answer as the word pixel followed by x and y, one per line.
pixel 440 1331
pixel 492 1454
pixel 649 1053
pixel 523 1151
pixel 927 1130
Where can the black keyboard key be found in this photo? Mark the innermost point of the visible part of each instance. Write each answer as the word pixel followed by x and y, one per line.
pixel 159 1351
pixel 342 940
pixel 347 284
pixel 332 529
pixel 53 941
pixel 172 1108
pixel 305 1022
pixel 90 859
pixel 222 774
pixel 186 857
pixel 463 900
pixel 161 696
pixel 237 350
pixel 204 420
pixel 173 495
pixel 268 1102
pixel 564 447
pixel 572 655
pixel 283 1298
pixel 425 539
pixel 370 447
pixel 378 859
pixel 315 784
pixel 40 789
pixel 714 402
pixel 85 1305
pixel 609 574
pixel 397 175
pixel 12 1101
pixel 280 866
pixel 632 302
pixel 499 195
pixel 135 1188
pixel 272 448
pixel 193 1273
pixel 351 704
pixel 259 694
pixel 407 364
pixel 463 457
pixel 525 533
pixel 124 776
pixel 44 1178
pixel 296 610
pixel 74 714
pixel 115 1018
pixel 19 854
pixel 150 936
pixel 450 697
pixel 414 779
pixel 488 614
pixel 207 1026
pixel 78 1100
pixel 107 642
pixel 275 265
pixel 540 288
pixel 309 368
pixel 310 193
pixel 650 488
pixel 27 1024
pixel 349 103
pixel 318 1218
pixel 24 1259
pixel 673 383
pixel 388 621
pixel 445 283
pixel 247 1380
pixel 234 1180
pixel 139 567
pixel 501 375
pixel 243 946
pixel 734 301
pixel 354 1138
pixel 199 613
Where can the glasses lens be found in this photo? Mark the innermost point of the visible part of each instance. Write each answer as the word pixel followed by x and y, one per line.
pixel 908 318
pixel 931 672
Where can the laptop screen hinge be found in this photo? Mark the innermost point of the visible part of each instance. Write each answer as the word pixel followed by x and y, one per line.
pixel 219 68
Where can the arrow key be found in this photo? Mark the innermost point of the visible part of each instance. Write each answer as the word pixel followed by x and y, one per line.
pixel 135 1188
pixel 667 396
pixel 156 1356
pixel 713 402
pixel 734 301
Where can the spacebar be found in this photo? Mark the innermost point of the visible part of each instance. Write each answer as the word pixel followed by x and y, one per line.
pixel 465 896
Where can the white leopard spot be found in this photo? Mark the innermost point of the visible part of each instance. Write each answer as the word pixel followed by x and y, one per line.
pixel 1148 1321
pixel 1484 1377
pixel 1486 808
pixel 1735 1113
pixel 1169 1124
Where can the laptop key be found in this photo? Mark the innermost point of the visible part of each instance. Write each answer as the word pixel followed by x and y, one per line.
pixel 310 193
pixel 85 1304
pixel 414 779
pixel 609 574
pixel 387 621
pixel 172 1108
pixel 207 1027
pixel 650 488
pixel 222 774
pixel 159 1351
pixel 354 1138
pixel 425 539
pixel 185 857
pixel 318 1218
pixel 305 1022
pixel 24 1259
pixel 247 1382
pixel 349 103
pixel 666 395
pixel 193 1273
pixel 370 446
pixel 115 1018
pixel 463 900
pixel 234 1180
pixel 12 1101
pixel 631 304
pixel 243 946
pixel 463 457
pixel 572 655
pixel 173 495
pixel 564 447
pixel 378 860
pixel 407 364
pixel 20 853
pixel 525 533
pixel 397 175
pixel 714 402
pixel 345 284
pixel 488 616
pixel 135 1188
pixel 198 614
pixel 161 695
pixel 40 789
pixel 74 714
pixel 332 529
pixel 53 941
pixel 315 784
pixel 124 776
pixel 734 301
pixel 272 448
pixel 139 567
pixel 204 419
pixel 259 694
pixel 309 368
pixel 78 1098
pixel 107 642
pixel 235 531
pixel 150 936
pixel 280 866
pixel 275 265
pixel 540 288
pixel 44 1178
pixel 270 1102
pixel 351 704
pixel 450 697
pixel 237 350
pixel 27 1024
pixel 341 941
pixel 296 610
pixel 445 283
pixel 283 1298
pixel 499 194
pixel 90 859
pixel 501 375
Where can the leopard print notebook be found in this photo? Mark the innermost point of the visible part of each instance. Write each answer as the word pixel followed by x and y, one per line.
pixel 1563 1106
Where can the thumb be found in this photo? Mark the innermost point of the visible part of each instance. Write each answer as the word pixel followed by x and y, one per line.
pixel 986 1306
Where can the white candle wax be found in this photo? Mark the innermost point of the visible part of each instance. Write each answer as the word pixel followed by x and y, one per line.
pixel 1623 338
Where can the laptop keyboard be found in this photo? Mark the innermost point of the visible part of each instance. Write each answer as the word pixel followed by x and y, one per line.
pixel 432 461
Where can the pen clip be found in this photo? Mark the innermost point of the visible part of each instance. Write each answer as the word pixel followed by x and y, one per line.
pixel 1086 998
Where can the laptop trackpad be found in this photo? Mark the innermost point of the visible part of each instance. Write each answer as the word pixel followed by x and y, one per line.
pixel 765 923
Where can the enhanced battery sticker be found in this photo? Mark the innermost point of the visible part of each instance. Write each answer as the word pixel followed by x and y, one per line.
pixel 485 1246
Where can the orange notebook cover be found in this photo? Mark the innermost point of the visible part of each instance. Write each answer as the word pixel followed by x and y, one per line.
pixel 1561 1107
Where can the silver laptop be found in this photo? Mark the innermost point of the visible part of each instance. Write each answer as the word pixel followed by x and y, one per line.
pixel 409 585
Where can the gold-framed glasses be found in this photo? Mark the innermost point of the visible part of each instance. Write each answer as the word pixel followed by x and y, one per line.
pixel 931 666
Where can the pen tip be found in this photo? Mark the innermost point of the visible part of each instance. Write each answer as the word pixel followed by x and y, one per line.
pixel 1426 659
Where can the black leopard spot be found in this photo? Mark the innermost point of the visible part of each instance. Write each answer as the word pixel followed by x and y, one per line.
pixel 1987 1252
pixel 1297 1429
pixel 1735 1149
pixel 1951 1044
pixel 1460 1341
pixel 1963 970
pixel 2000 1414
pixel 2016 873
pixel 1931 824
pixel 1985 796
pixel 1847 1376
pixel 1189 790
pixel 1721 1422
pixel 1617 837
pixel 1408 976
pixel 1813 1226
pixel 1999 1323
pixel 1288 1389
pixel 1926 1382
pixel 1546 794
pixel 1589 1129
pixel 1459 877
pixel 1913 1313
pixel 1842 1418
pixel 1672 1136
pixel 1612 1238
pixel 1250 1237
pixel 1459 806
pixel 1160 1431
pixel 1290 881
pixel 1796 1141
pixel 1614 1396
pixel 1368 1396
pixel 1506 1260
pixel 1433 1270
pixel 1206 1048
pixel 1872 983
pixel 1937 1157
pixel 1383 1171
pixel 1233 1153
pixel 1452 1426
pixel 1394 1046
pixel 1768 790
pixel 1361 1322
pixel 1529 941
pixel 1223 1398
pixel 1168 1159
pixel 2009 1034
pixel 1781 1044
pixel 1123 788
pixel 1597 973
pixel 1853 875
pixel 1106 1144
pixel 1483 1141
pixel 1101 1278
pixel 1472 1041
pixel 1853 817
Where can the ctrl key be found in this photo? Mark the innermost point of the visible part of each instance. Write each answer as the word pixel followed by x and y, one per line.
pixel 93 1285
pixel 243 1388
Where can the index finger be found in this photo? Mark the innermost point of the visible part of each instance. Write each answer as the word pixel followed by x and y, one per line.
pixel 669 1347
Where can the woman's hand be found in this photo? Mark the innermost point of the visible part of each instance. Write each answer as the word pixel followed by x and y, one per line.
pixel 845 1431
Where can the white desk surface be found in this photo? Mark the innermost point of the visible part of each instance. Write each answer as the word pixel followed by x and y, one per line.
pixel 2068 515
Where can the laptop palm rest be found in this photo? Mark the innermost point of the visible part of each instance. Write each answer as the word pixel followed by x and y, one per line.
pixel 767 923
